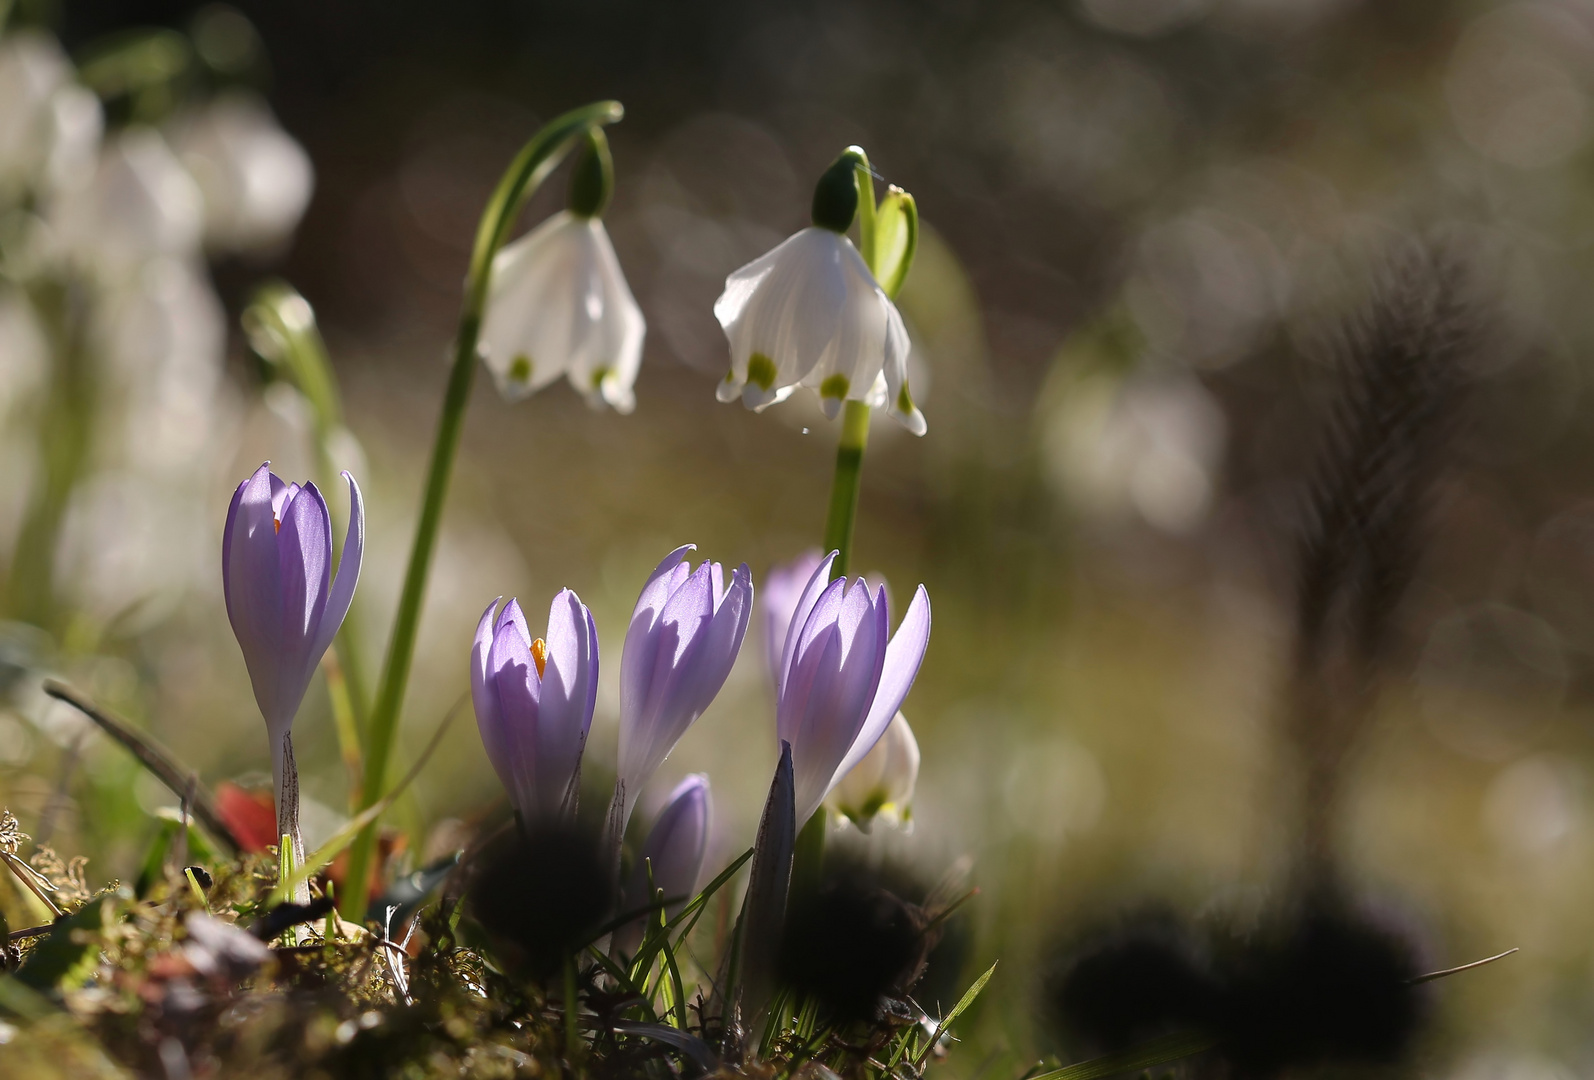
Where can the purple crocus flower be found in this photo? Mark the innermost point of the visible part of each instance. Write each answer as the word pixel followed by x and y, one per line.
pixel 284 604
pixel 783 587
pixel 684 636
pixel 675 847
pixel 534 702
pixel 841 679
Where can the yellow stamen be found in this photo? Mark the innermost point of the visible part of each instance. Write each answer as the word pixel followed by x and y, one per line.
pixel 539 653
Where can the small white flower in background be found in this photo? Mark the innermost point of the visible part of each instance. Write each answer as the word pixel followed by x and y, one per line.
pixel 140 204
pixel 560 305
pixel 163 335
pixel 1150 444
pixel 49 126
pixel 810 313
pixel 256 180
pixel 881 785
pixel 32 69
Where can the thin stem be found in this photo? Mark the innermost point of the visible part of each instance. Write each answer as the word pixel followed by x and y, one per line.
pixel 530 168
pixel 65 438
pixel 844 487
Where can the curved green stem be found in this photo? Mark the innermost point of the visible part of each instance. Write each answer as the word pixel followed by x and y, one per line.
pixel 530 168
pixel 281 327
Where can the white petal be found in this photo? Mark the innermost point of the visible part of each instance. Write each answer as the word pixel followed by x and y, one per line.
pixel 527 329
pixel 604 365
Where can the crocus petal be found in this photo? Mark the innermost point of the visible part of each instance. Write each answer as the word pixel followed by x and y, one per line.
pixel 801 613
pixel 569 695
pixel 512 744
pixel 483 696
pixel 783 587
pixel 664 580
pixel 250 579
pixel 342 594
pixel 902 660
pixel 675 846
pixel 847 674
pixel 304 555
pixel 650 721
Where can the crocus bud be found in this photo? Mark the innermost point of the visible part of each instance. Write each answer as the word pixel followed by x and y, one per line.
pixel 559 305
pixel 673 852
pixel 783 587
pixel 534 702
pixel 255 179
pixel 284 605
pixel 882 783
pixel 809 313
pixel 684 636
pixel 843 678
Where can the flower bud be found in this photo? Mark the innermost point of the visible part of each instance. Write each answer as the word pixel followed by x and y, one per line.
pixel 882 783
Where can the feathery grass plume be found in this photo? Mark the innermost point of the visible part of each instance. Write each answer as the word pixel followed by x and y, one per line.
pixel 1402 379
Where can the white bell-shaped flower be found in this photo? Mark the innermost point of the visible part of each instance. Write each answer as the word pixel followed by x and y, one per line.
pixel 256 180
pixel 141 204
pixel 32 69
pixel 809 313
pixel 881 784
pixel 559 305
pixel 49 126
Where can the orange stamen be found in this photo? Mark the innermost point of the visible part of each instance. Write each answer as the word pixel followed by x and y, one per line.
pixel 539 653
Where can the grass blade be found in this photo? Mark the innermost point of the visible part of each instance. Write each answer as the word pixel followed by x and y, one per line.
pixel 1180 1044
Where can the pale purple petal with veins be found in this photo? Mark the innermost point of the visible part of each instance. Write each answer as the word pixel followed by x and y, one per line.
pixel 675 847
pixel 783 587
pixel 684 637
pixel 275 579
pixel 903 657
pixel 842 678
pixel 533 723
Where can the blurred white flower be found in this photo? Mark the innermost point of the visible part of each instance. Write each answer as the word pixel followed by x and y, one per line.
pixel 32 69
pixel 163 336
pixel 882 783
pixel 559 305
pixel 140 204
pixel 75 126
pixel 256 180
pixel 809 313
pixel 49 126
pixel 1149 444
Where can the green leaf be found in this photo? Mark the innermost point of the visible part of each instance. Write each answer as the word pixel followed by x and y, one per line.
pixel 1180 1044
pixel 957 1010
pixel 62 959
pixel 896 239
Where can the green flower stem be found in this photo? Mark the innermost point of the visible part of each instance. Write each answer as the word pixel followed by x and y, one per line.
pixel 855 414
pixel 844 487
pixel 65 440
pixel 531 167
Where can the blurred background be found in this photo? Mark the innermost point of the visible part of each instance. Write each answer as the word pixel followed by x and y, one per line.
pixel 1143 221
